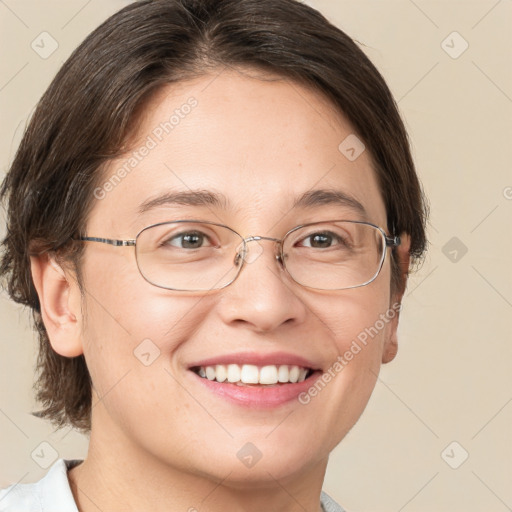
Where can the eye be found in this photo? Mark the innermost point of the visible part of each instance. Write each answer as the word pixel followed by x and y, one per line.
pixel 187 240
pixel 323 240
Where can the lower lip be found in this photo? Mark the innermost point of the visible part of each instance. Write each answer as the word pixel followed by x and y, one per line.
pixel 258 397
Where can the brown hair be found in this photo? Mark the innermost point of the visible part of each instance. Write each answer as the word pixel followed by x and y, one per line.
pixel 88 112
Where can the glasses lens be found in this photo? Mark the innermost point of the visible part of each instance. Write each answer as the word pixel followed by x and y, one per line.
pixel 334 255
pixel 188 256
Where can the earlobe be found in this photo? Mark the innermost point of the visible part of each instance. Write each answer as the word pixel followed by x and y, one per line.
pixel 56 291
pixel 391 343
pixel 391 349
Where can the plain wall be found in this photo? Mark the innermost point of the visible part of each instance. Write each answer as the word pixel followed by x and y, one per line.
pixel 451 381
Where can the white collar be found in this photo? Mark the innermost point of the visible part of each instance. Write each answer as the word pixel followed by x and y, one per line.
pixel 50 494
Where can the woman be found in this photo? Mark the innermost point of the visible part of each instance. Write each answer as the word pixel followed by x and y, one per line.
pixel 212 215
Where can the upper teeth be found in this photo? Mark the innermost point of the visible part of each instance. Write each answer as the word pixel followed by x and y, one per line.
pixel 251 374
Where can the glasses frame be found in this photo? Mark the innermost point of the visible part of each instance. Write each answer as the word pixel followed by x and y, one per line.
pixel 392 241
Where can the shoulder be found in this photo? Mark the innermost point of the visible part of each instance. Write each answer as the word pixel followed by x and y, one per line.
pixel 328 504
pixel 50 494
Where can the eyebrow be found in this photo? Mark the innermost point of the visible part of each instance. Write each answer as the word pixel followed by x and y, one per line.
pixel 320 197
pixel 309 200
pixel 186 198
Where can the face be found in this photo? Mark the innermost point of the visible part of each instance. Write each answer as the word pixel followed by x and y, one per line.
pixel 261 145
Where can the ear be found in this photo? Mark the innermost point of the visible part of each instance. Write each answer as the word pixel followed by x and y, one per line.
pixel 59 298
pixel 391 343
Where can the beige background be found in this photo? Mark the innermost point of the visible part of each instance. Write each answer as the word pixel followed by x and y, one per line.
pixel 452 378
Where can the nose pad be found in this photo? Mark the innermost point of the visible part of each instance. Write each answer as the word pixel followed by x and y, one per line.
pixel 248 254
pixel 240 254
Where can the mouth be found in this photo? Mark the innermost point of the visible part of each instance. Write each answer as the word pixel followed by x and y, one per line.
pixel 252 375
pixel 256 380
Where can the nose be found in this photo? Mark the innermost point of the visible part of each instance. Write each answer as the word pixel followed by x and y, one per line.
pixel 262 297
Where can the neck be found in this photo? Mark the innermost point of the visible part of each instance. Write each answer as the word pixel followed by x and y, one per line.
pixel 118 475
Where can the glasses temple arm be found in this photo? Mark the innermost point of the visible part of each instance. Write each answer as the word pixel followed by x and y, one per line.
pixel 106 241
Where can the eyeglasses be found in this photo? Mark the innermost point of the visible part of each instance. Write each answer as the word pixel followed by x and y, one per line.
pixel 194 255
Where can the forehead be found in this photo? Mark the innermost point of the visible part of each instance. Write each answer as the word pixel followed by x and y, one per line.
pixel 258 142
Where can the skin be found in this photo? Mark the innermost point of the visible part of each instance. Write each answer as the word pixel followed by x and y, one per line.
pixel 159 440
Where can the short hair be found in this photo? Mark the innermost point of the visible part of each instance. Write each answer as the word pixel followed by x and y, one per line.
pixel 89 111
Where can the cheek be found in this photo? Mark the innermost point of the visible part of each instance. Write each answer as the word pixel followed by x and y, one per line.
pixel 358 327
pixel 130 355
pixel 359 331
pixel 356 316
pixel 130 325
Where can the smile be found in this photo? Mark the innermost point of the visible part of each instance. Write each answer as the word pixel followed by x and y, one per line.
pixel 256 380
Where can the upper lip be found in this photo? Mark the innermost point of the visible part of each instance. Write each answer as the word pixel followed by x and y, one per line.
pixel 257 359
